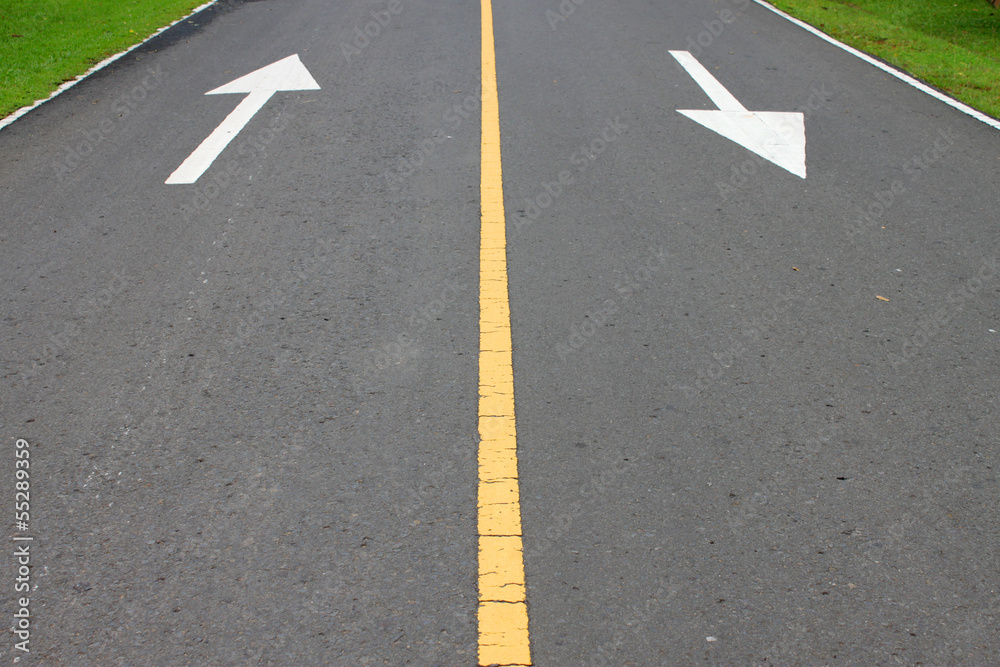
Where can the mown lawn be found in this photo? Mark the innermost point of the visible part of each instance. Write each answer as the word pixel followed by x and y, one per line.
pixel 953 45
pixel 44 43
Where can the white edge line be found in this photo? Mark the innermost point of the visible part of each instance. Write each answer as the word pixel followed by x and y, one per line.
pixel 902 76
pixel 99 66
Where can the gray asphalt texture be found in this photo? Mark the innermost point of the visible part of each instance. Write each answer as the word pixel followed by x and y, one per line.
pixel 252 402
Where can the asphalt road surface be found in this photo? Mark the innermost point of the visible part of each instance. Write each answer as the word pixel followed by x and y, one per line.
pixel 757 414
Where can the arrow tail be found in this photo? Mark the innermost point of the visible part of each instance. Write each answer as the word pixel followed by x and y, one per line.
pixel 202 158
pixel 715 90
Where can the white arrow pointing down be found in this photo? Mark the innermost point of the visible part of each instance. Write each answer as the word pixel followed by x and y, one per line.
pixel 286 74
pixel 777 136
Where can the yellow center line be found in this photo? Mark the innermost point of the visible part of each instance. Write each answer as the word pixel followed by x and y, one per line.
pixel 503 612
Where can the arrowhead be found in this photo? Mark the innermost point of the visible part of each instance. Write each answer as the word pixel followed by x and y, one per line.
pixel 777 136
pixel 286 74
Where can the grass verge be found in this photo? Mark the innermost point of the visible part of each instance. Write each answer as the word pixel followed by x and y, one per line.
pixel 44 43
pixel 953 45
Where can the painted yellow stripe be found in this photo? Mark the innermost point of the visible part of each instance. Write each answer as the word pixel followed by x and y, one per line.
pixel 503 612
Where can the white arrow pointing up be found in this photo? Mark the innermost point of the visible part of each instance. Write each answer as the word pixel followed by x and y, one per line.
pixel 286 74
pixel 778 136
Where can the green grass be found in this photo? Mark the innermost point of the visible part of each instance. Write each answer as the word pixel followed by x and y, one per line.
pixel 952 44
pixel 44 43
